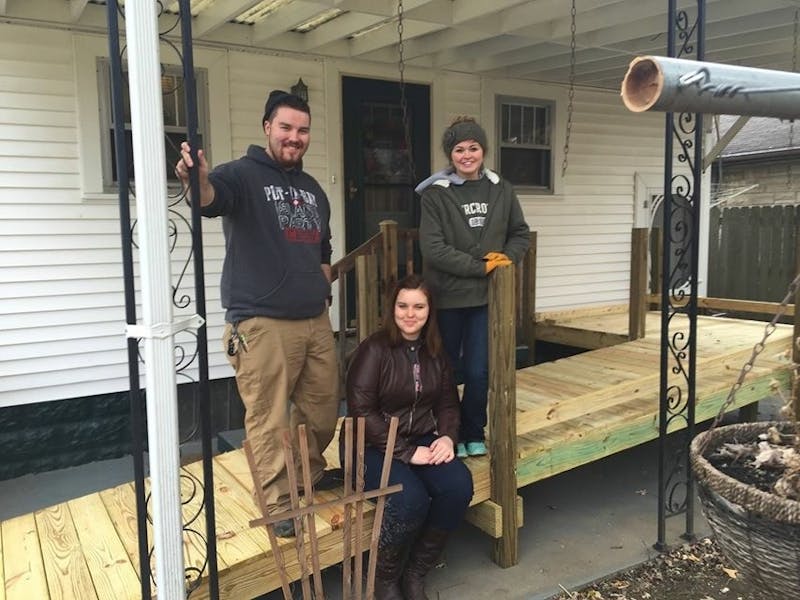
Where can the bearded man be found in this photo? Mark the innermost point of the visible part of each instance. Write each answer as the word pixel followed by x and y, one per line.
pixel 276 289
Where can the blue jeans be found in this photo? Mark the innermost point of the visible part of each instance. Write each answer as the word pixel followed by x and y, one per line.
pixel 433 495
pixel 465 334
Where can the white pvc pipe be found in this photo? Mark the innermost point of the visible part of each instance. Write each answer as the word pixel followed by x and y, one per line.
pixel 147 122
pixel 680 85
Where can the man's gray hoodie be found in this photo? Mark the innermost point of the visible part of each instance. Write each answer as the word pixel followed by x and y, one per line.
pixel 453 243
pixel 277 234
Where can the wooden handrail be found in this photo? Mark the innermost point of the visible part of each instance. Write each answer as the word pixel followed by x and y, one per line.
pixel 348 262
pixel 730 304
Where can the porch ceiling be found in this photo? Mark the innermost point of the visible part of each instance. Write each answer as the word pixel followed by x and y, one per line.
pixel 527 39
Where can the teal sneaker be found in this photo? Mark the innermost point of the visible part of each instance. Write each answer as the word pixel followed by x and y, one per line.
pixel 476 449
pixel 461 450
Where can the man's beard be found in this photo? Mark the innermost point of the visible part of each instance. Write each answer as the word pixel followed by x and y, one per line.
pixel 279 156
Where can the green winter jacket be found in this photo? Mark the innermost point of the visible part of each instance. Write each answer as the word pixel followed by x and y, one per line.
pixel 453 252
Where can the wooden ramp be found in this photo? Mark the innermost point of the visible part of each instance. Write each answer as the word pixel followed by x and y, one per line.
pixel 570 412
pixel 579 409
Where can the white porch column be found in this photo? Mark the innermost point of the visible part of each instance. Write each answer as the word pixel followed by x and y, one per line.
pixel 151 208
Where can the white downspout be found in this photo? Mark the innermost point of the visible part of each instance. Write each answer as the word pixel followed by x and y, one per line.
pixel 147 122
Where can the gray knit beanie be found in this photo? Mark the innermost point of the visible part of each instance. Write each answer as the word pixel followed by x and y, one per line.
pixel 460 131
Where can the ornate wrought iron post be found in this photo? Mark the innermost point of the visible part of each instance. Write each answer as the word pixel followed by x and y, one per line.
pixel 681 218
pixel 203 395
pixel 184 358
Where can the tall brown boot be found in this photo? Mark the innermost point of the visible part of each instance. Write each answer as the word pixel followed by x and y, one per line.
pixel 424 554
pixel 397 533
pixel 387 572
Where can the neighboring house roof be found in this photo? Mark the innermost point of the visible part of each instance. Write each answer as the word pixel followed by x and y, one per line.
pixel 761 138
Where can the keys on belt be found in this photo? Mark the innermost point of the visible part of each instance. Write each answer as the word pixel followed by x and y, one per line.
pixel 236 341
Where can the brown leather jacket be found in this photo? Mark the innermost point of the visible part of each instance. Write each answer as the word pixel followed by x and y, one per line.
pixel 380 385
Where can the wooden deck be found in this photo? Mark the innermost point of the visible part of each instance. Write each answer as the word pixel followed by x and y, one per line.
pixel 570 412
pixel 591 328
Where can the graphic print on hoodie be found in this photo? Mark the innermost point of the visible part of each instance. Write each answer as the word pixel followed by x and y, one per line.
pixel 298 215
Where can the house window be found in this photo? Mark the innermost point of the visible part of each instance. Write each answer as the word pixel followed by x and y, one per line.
pixel 174 107
pixel 525 152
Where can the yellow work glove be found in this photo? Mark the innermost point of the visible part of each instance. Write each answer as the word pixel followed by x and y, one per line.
pixel 493 263
pixel 491 255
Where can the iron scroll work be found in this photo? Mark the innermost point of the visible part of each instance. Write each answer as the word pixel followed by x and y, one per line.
pixel 683 161
pixel 192 351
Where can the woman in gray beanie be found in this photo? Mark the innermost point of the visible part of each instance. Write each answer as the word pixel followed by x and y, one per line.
pixel 471 222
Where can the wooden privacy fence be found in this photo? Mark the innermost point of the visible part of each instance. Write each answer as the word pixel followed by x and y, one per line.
pixel 752 252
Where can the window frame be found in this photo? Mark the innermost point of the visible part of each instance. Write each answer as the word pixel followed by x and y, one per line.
pixel 550 105
pixel 105 110
pixel 86 48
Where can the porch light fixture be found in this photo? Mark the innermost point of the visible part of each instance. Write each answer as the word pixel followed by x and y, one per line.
pixel 300 89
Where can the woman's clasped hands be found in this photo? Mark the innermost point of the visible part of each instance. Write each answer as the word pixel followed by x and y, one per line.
pixel 440 451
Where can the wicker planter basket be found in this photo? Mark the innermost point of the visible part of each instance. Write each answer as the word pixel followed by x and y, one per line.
pixel 758 532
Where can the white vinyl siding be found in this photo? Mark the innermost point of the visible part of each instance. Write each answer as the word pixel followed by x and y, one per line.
pixel 61 301
pixel 585 232
pixel 252 77
pixel 62 312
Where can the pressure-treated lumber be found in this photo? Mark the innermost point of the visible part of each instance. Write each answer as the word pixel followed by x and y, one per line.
pixel 569 413
pixel 389 259
pixel 503 411
pixel 367 318
pixel 112 573
pixel 66 571
pixel 638 285
pixel 23 569
pixel 2 571
pixel 488 517
pixel 732 305
pixel 528 308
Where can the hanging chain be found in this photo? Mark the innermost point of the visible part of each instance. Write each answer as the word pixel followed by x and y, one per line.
pixel 789 170
pixel 571 90
pixel 401 67
pixel 769 329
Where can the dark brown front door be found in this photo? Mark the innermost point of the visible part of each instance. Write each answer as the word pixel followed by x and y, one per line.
pixel 379 178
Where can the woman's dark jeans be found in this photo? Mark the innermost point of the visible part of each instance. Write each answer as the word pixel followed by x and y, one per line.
pixel 434 495
pixel 465 334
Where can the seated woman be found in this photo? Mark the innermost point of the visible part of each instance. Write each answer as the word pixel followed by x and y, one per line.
pixel 403 371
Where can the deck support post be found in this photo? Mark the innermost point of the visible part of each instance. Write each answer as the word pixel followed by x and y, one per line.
pixel 367 318
pixel 389 262
pixel 656 249
pixel 528 309
pixel 795 348
pixel 503 411
pixel 637 313
pixel 796 335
